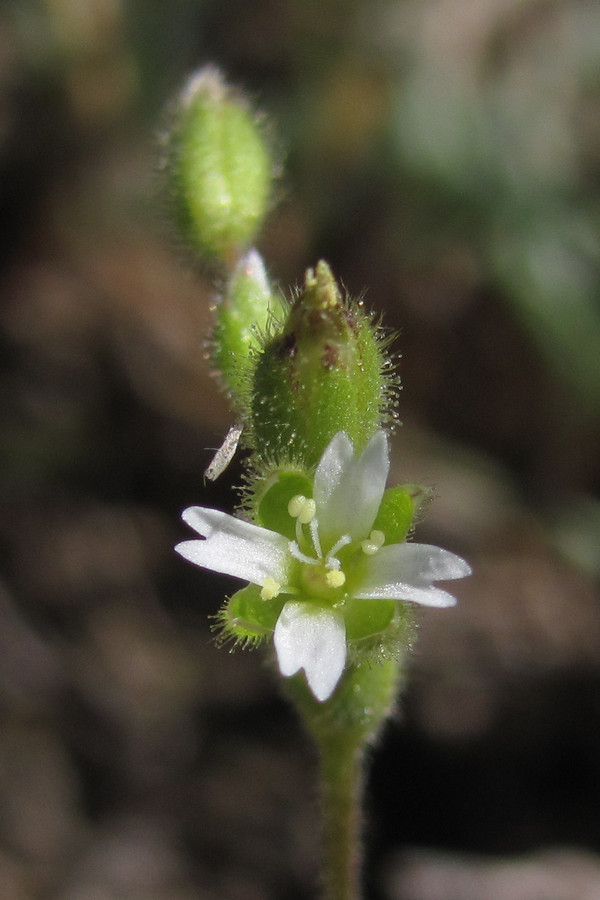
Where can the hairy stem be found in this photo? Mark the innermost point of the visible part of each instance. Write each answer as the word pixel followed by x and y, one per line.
pixel 341 795
pixel 344 726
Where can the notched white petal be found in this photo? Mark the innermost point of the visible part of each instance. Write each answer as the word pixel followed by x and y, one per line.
pixel 424 596
pixel 335 460
pixel 234 547
pixel 435 563
pixel 366 483
pixel 348 489
pixel 312 638
pixel 407 572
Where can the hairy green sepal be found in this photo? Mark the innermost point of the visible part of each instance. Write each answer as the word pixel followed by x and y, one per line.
pixel 247 618
pixel 396 513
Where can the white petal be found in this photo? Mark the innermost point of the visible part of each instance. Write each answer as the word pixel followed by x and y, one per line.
pixel 338 455
pixel 312 638
pixel 347 489
pixel 252 265
pixel 234 547
pixel 406 572
pixel 424 596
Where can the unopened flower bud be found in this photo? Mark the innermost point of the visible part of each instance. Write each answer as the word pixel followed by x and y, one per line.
pixel 241 317
pixel 219 168
pixel 325 372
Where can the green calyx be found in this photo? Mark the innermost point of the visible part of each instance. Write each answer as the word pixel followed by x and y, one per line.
pixel 219 168
pixel 355 712
pixel 374 631
pixel 325 371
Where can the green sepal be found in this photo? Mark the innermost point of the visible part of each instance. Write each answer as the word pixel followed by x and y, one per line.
pixel 366 618
pixel 391 642
pixel 272 504
pixel 395 515
pixel 247 618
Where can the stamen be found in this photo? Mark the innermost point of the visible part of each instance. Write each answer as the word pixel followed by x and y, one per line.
pixel 314 533
pixel 300 556
pixel 270 589
pixel 375 541
pixel 295 505
pixel 302 508
pixel 343 541
pixel 335 578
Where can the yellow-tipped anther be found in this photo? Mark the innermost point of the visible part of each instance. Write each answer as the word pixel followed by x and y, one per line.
pixel 374 543
pixel 335 578
pixel 302 508
pixel 270 589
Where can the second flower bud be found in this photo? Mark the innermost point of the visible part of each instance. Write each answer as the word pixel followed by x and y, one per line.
pixel 325 371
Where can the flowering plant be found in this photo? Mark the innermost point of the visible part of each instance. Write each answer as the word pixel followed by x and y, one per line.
pixel 325 548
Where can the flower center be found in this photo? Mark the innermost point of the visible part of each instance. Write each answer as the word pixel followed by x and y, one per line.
pixel 317 581
pixel 321 574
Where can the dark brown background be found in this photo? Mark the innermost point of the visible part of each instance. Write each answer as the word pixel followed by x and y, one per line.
pixel 444 156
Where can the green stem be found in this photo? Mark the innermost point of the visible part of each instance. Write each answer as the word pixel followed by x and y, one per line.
pixel 341 797
pixel 343 727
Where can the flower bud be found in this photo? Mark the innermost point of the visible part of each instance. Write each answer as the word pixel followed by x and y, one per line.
pixel 325 372
pixel 219 168
pixel 241 316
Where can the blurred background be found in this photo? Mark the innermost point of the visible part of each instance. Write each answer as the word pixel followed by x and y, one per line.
pixel 444 156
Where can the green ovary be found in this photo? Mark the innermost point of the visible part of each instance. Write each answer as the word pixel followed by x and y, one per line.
pixel 323 583
pixel 363 618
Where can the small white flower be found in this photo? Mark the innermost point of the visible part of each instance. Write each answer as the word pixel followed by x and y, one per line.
pixel 337 556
